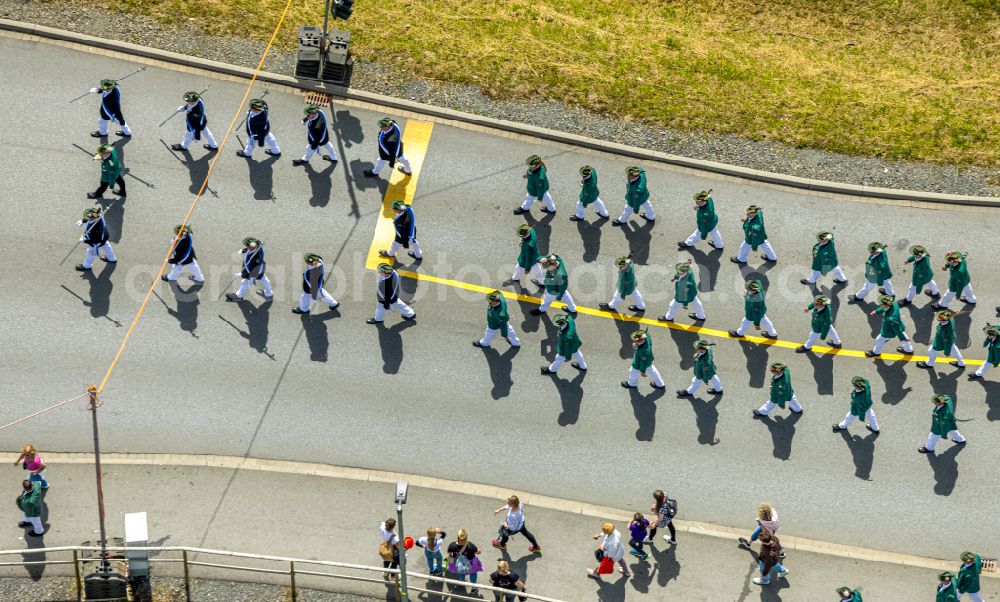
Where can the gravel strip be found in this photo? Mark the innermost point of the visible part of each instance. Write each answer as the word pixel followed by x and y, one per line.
pixel 385 79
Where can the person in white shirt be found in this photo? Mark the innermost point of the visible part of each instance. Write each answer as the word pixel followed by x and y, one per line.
pixel 611 547
pixel 513 524
pixel 390 557
pixel 767 520
pixel 432 549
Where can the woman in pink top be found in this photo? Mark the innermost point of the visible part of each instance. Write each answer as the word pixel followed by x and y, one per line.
pixel 32 462
pixel 767 520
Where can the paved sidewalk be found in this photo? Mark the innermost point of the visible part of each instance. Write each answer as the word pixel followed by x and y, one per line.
pixel 337 519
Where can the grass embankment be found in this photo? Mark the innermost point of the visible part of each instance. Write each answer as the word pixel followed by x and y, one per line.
pixel 896 79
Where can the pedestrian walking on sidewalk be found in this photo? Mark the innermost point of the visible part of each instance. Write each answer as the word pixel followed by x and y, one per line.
pixel 111 172
pixel 313 279
pixel 387 295
pixel 781 392
pixel 259 130
pixel 513 523
pixel 848 595
pixel 944 341
pixel 537 187
pixel 638 529
pixel 892 327
pixel 96 237
pixel 252 270
pixel 755 311
pixel 30 503
pixel 463 559
pixel 767 520
pixel 967 581
pixel 704 371
pixel 317 135
pixel 754 237
pixel 31 461
pixel 665 509
pixel 611 551
pixel 589 194
pixel 527 257
pixel 636 197
pixel 707 221
pixel 923 275
pixel 824 260
pixel 769 559
pixel 821 325
pixel 390 149
pixel 625 286
pixel 942 424
pixel 946 591
pixel 878 274
pixel 642 362
pixel 405 226
pixel 111 109
pixel 861 406
pixel 505 578
pixel 183 256
pixel 195 123
pixel 685 293
pixel 389 549
pixel 992 344
pixel 567 346
pixel 433 545
pixel 556 285
pixel 497 322
pixel 959 282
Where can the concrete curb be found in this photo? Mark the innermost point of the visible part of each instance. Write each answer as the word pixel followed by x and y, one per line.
pixel 500 124
pixel 478 489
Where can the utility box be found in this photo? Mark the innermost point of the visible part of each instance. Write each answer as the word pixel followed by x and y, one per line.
pixel 137 535
pixel 105 587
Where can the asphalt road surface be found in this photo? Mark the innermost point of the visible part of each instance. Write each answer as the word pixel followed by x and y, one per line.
pixel 204 376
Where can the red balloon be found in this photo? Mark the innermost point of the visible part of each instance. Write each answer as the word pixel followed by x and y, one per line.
pixel 407 542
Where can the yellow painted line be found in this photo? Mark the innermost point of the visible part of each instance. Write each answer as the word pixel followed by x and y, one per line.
pixel 416 139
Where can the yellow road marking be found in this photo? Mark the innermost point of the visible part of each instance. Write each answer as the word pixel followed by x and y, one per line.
pixel 416 138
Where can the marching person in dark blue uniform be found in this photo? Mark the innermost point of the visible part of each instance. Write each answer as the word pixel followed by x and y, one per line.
pixel 317 136
pixel 313 279
pixel 390 148
pixel 259 130
pixel 95 236
pixel 387 295
pixel 197 123
pixel 111 109
pixel 406 232
pixel 183 256
pixel 253 270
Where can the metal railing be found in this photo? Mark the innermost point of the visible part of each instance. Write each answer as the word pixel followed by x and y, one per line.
pixel 85 554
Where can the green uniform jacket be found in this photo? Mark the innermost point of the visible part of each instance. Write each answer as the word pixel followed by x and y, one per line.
pixel 30 502
pixel 707 219
pixel 861 401
pixel 944 337
pixel 754 307
pixel 855 596
pixel 556 280
pixel 568 343
pixel 754 233
pixel 877 268
pixel 589 192
pixel 993 350
pixel 824 257
pixel 528 256
pixel 781 389
pixel 922 272
pixel 685 289
pixel 821 321
pixel 497 317
pixel 704 366
pixel 636 192
pixel 626 281
pixel 642 359
pixel 892 322
pixel 968 576
pixel 948 594
pixel 958 277
pixel 943 419
pixel 538 182
pixel 111 168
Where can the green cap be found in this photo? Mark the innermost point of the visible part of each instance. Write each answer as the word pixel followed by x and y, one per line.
pixel 399 205
pixel 860 382
pixel 92 213
pixel 752 209
pixel 704 195
pixel 586 171
pixel 946 576
pixel 991 330
pixel 311 257
pixel 684 266
pixel 623 260
pixel 494 296
pixel 702 344
pixel 250 241
pixel 915 249
pixel 182 229
pixel 522 230
pixel 778 367
pixel 257 104
pixel 560 319
pixel 384 268
pixel 753 285
pixel 821 299
pixel 886 299
pixel 944 315
pixel 533 160
pixel 956 255
pixel 845 591
pixel 821 236
pixel 874 246
pixel 104 148
pixel 191 96
pixel 385 121
pixel 549 259
pixel 968 556
pixel 942 398
pixel 633 170
pixel 310 109
pixel 107 84
pixel 639 335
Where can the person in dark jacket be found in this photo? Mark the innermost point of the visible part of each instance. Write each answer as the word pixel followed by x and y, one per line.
pixel 95 236
pixel 111 172
pixel 968 576
pixel 942 424
pixel 405 226
pixel 387 295
pixel 258 128
pixel 861 406
pixel 183 256
pixel 497 322
pixel 769 559
pixel 252 271
pixel 317 136
pixel 390 149
pixel 567 345
pixel 196 123
pixel 111 109
pixel 313 279
pixel 707 223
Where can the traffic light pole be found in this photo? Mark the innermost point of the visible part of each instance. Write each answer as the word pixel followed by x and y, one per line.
pixel 105 564
pixel 322 42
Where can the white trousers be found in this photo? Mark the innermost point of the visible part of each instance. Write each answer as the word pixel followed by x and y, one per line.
pixel 546 198
pixel 654 375
pixel 102 127
pixel 767 327
pixel 744 253
pixel 627 211
pixel 838 274
pixel 245 286
pixel 193 267
pixel 92 253
pixel 696 236
pixel 306 300
pixel 974 596
pixel 380 163
pixel 869 417
pixel 328 147
pixel 560 360
pixel 880 342
pixel 636 296
pixel 984 369
pixel 814 336
pixel 189 137
pixel 536 273
pixel 491 334
pixel 966 292
pixel 932 439
pixel 713 383
pixel 271 141
pixel 403 308
pixel 793 404
pixel 869 285
pixel 547 300
pixel 912 292
pixel 36 523
pixel 933 353
pixel 598 205
pixel 699 309
pixel 394 248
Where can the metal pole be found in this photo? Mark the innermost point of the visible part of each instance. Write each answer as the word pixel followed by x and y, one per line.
pixel 322 42
pixel 187 577
pixel 291 574
pixel 105 564
pixel 76 569
pixel 402 554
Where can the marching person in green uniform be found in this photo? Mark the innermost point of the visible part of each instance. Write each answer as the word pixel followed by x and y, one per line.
pixel 707 223
pixel 642 362
pixel 626 285
pixel 754 236
pixel 821 325
pixel 567 346
pixel 942 424
pixel 111 172
pixel 538 187
pixel 589 194
pixel 849 595
pixel 685 293
pixel 923 275
pixel 527 257
pixel 556 285
pixel 704 371
pixel 861 406
pixel 944 341
pixel 824 260
pixel 30 504
pixel 755 311
pixel 959 282
pixel 992 344
pixel 636 197
pixel 497 322
pixel 877 272
pixel 968 576
pixel 946 591
pixel 781 392
pixel 892 327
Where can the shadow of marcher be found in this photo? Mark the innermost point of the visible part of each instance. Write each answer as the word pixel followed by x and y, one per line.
pixel 625 330
pixel 684 339
pixel 347 128
pixel 320 183
pixel 922 319
pixel 862 451
pixel 639 238
pixel 390 341
pixel 186 313
pixel 35 571
pixel 991 390
pixel 757 361
pixel 571 396
pixel 946 384
pixel 590 234
pixel 782 430
pixel 501 366
pixel 257 325
pixel 100 290
pixel 644 409
pixel 963 322
pixel 708 267
pixel 530 322
pixel 543 230
pixel 665 565
pixel 316 333
pixel 893 377
pixel 833 294
pixel 262 178
pixel 198 169
pixel 114 217
pixel 706 415
pixel 822 364
pixel 945 467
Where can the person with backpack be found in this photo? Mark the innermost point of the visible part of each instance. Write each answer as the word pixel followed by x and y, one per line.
pixel 665 509
pixel 463 559
pixel 388 549
pixel 514 524
pixel 638 529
